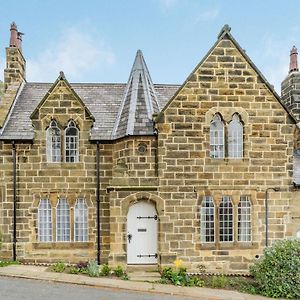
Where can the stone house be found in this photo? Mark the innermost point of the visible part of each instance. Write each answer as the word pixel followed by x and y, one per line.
pixel 143 173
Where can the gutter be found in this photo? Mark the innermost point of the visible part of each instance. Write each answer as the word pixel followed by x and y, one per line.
pixel 98 200
pixel 15 201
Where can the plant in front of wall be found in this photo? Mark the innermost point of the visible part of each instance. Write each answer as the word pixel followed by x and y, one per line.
pixel 93 269
pixel 105 270
pixel 5 263
pixel 59 267
pixel 118 271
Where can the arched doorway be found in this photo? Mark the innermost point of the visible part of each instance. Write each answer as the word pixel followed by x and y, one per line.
pixel 142 227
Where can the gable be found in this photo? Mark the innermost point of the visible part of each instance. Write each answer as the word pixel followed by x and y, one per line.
pixel 61 99
pixel 227 74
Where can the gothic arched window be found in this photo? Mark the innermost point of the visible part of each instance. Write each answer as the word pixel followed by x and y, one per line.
pixel 71 143
pixel 235 137
pixel 217 148
pixel 207 220
pixel 53 142
pixel 226 219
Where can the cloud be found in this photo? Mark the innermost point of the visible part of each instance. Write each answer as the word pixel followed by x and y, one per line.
pixel 77 53
pixel 208 15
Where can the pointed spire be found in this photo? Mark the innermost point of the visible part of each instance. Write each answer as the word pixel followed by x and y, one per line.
pixel 139 102
pixel 294 60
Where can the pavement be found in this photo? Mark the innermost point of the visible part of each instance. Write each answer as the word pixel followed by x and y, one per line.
pixel 41 273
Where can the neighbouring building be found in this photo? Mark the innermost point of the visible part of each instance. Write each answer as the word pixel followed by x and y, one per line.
pixel 141 173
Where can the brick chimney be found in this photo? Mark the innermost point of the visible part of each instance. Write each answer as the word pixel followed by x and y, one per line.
pixel 14 73
pixel 290 86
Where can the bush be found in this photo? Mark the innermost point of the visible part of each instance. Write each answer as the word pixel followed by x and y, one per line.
pixel 59 267
pixel 219 282
pixel 118 271
pixel 93 269
pixel 82 267
pixel 277 271
pixel 5 263
pixel 105 270
pixel 74 270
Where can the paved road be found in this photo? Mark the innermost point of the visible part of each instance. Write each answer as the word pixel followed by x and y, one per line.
pixel 26 289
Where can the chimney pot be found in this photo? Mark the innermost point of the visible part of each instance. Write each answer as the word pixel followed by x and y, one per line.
pixel 13 35
pixel 294 60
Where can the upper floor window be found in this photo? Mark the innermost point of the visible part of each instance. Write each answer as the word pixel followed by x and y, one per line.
pixel 71 143
pixel 45 221
pixel 53 143
pixel 217 148
pixel 232 146
pixel 235 137
pixel 63 221
pixel 207 220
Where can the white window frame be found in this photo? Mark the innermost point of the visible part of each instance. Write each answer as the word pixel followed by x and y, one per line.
pixel 53 143
pixel 235 137
pixel 45 232
pixel 81 212
pixel 208 226
pixel 244 219
pixel 71 140
pixel 225 218
pixel 63 221
pixel 217 138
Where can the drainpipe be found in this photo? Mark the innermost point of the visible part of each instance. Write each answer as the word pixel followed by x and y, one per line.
pixel 15 201
pixel 98 200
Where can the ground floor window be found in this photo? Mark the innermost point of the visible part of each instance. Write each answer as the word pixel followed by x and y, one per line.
pixel 65 216
pixel 223 221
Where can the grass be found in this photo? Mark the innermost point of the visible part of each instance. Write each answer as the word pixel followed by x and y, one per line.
pixel 5 263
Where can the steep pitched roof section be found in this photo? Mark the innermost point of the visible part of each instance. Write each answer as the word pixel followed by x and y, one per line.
pixel 102 100
pixel 139 102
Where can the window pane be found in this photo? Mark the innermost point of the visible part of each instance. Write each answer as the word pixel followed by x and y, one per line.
pixel 53 143
pixel 244 219
pixel 207 220
pixel 226 219
pixel 71 143
pixel 63 221
pixel 217 137
pixel 235 137
pixel 81 221
pixel 45 221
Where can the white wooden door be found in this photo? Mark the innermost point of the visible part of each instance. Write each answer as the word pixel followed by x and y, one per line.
pixel 142 233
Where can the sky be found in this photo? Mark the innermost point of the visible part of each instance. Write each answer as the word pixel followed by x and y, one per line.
pixel 96 41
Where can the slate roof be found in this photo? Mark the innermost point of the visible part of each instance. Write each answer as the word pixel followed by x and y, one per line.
pixel 139 102
pixel 102 99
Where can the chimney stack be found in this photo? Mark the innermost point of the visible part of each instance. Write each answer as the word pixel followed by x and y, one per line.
pixel 13 35
pixel 294 60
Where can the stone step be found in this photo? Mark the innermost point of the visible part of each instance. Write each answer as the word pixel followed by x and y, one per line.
pixel 148 276
pixel 145 268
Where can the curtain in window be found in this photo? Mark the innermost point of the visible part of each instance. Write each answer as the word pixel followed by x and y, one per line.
pixel 244 219
pixel 44 221
pixel 226 219
pixel 207 220
pixel 81 221
pixel 235 137
pixel 53 143
pixel 63 221
pixel 217 137
pixel 71 143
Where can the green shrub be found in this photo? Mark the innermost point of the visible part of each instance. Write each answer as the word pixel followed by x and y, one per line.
pixel 277 272
pixel 105 270
pixel 74 270
pixel 118 271
pixel 5 263
pixel 219 281
pixel 59 267
pixel 93 269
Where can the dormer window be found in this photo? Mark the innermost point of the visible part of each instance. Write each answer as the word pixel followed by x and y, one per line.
pixel 70 136
pixel 53 142
pixel 71 143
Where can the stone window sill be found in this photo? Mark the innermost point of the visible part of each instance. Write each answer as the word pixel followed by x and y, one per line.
pixel 228 245
pixel 62 245
pixel 226 161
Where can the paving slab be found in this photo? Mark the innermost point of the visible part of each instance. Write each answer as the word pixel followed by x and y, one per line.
pixel 41 273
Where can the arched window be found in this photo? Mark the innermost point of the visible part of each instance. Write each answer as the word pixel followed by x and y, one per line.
pixel 53 143
pixel 226 219
pixel 207 220
pixel 244 219
pixel 235 137
pixel 72 143
pixel 44 221
pixel 217 137
pixel 81 221
pixel 63 221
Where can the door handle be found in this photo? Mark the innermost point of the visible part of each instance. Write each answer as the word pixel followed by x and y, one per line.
pixel 129 237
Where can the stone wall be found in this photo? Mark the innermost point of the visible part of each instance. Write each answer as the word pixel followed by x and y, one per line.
pixel 224 83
